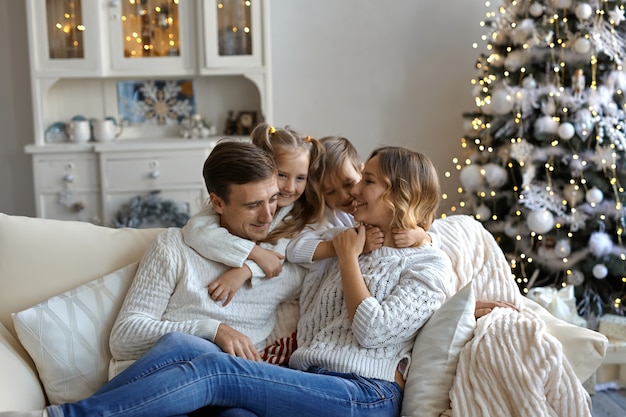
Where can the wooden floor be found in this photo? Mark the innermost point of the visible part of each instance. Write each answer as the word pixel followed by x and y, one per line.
pixel 611 403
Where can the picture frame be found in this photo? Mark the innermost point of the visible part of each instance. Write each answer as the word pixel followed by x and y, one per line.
pixel 246 121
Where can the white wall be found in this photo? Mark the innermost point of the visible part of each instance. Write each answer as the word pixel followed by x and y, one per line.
pixel 377 72
pixel 16 131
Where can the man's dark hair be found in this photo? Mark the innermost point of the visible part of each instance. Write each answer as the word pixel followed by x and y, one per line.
pixel 233 162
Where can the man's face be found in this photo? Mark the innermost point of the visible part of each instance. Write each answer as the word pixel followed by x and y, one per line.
pixel 250 208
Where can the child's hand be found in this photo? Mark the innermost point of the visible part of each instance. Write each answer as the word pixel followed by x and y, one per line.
pixel 269 261
pixel 408 238
pixel 374 238
pixel 226 285
pixel 350 242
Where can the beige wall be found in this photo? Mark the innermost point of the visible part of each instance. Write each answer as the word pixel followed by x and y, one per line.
pixel 376 72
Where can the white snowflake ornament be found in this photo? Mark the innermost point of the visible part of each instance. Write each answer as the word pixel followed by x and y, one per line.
pixel 616 16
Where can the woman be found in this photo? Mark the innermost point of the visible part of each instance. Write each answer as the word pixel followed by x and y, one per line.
pixel 360 316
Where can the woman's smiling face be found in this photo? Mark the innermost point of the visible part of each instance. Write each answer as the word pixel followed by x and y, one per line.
pixel 370 206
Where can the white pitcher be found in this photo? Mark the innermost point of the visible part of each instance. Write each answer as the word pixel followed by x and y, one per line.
pixel 105 130
pixel 78 130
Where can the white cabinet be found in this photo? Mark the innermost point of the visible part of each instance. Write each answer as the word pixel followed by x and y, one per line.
pixel 232 34
pixel 64 37
pixel 175 174
pixel 67 186
pixel 151 36
pixel 81 54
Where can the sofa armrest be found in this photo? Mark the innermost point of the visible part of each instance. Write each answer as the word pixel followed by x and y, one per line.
pixel 584 348
pixel 20 388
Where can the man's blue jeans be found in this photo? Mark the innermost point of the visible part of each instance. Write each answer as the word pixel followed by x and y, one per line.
pixel 183 373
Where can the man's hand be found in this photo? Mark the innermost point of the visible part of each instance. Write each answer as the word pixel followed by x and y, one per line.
pixel 269 261
pixel 235 343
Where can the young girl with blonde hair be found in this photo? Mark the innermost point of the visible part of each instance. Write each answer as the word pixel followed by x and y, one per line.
pixel 299 160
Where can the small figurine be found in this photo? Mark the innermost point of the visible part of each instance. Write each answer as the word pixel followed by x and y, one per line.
pixel 195 127
pixel 231 123
pixel 578 82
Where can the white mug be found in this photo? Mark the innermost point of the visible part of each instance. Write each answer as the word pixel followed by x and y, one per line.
pixel 105 130
pixel 79 130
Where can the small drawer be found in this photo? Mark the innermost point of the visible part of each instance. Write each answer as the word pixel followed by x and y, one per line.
pixel 154 171
pixel 79 172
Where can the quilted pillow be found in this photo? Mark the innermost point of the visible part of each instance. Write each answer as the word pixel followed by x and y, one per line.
pixel 67 336
pixel 436 354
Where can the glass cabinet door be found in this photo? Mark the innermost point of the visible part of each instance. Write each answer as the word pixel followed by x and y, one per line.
pixel 65 36
pixel 151 35
pixel 232 33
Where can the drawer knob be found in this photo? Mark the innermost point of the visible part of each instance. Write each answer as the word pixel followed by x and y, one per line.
pixel 69 178
pixel 155 174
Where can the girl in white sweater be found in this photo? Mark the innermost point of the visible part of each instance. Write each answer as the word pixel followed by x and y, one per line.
pixel 360 314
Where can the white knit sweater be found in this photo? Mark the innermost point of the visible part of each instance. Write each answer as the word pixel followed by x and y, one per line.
pixel 169 293
pixel 407 286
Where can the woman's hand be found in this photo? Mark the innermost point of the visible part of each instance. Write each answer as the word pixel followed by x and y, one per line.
pixel 484 307
pixel 350 242
pixel 348 246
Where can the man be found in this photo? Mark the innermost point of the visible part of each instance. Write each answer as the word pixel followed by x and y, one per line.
pixel 169 291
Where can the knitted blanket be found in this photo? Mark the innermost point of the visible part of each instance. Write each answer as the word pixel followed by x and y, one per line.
pixel 511 367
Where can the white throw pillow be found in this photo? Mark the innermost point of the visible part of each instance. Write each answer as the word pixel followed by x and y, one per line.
pixel 67 336
pixel 436 354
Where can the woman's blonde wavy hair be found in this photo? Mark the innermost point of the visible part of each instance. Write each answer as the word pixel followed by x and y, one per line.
pixel 413 189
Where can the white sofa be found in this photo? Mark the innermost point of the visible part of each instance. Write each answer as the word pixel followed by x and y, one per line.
pixel 40 259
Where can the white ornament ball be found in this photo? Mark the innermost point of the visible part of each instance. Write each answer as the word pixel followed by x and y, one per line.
pixel 600 271
pixel 529 82
pixel 594 195
pixel 535 9
pixel 471 177
pixel 546 127
pixel 563 4
pixel 582 45
pixel 540 221
pixel 566 131
pixel 600 244
pixel 583 11
pixel 611 109
pixel 483 213
pixel 468 127
pixel 573 194
pixel 510 229
pixel 576 277
pixel 501 102
pixel 562 248
pixel 576 166
pixel 495 175
pixel 515 60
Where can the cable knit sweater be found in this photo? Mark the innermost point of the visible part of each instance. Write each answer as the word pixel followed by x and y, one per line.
pixel 407 286
pixel 169 293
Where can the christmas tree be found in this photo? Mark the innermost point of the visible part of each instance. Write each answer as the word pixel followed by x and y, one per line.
pixel 543 161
